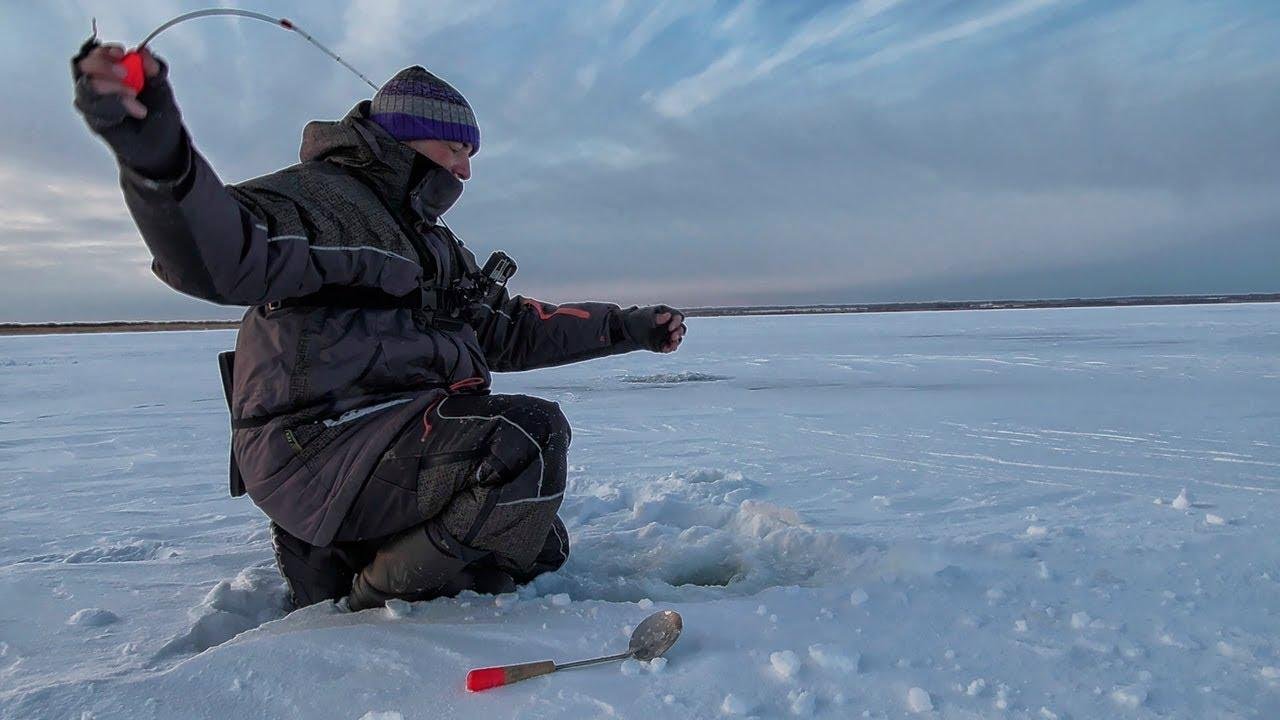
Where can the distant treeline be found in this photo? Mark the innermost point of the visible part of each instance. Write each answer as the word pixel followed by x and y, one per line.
pixel 932 306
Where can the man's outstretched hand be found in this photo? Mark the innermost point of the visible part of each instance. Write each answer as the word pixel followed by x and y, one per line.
pixel 673 321
pixel 143 129
pixel 659 328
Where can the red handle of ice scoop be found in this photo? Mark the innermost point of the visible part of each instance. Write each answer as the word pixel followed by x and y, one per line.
pixel 134 76
pixel 492 677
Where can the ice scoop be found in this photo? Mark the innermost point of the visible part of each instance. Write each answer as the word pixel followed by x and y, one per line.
pixel 651 638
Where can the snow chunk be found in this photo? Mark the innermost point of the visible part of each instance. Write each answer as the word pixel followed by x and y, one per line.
pixel 398 609
pixel 918 700
pixel 387 715
pixel 1182 502
pixel 1037 531
pixel 256 595
pixel 858 597
pixel 802 703
pixel 786 663
pixel 829 657
pixel 734 705
pixel 630 667
pixel 1270 672
pixel 1080 620
pixel 560 599
pixel 645 603
pixel 976 687
pixel 1131 696
pixel 656 666
pixel 1211 519
pixel 93 617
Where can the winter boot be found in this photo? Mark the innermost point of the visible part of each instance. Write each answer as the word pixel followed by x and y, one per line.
pixel 422 563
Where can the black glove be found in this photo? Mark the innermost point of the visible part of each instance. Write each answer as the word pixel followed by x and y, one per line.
pixel 640 325
pixel 154 146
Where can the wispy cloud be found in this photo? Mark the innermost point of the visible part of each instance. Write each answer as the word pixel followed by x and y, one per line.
pixel 960 31
pixel 376 30
pixel 737 68
pixel 662 16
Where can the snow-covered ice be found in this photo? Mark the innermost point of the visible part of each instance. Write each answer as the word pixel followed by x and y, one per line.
pixel 857 516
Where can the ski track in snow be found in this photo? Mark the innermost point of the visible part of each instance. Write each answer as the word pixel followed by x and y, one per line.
pixel 1033 514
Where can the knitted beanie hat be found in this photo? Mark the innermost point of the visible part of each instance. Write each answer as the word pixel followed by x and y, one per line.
pixel 416 105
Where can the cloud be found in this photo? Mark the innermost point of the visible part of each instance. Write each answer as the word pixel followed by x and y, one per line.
pixel 959 31
pixel 736 68
pixel 662 16
pixel 378 33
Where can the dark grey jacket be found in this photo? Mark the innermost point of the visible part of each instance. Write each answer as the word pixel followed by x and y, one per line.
pixel 320 388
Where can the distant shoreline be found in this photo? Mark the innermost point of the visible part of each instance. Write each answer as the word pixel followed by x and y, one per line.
pixel 932 306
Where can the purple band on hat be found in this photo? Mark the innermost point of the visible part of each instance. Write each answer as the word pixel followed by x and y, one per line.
pixel 402 127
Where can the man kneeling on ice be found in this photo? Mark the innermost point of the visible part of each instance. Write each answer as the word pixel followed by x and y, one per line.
pixel 363 425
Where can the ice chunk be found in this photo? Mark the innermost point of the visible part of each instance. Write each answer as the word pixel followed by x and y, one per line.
pixel 560 599
pixel 734 705
pixel 829 657
pixel 656 665
pixel 385 715
pixel 1130 696
pixel 786 663
pixel 1182 502
pixel 630 667
pixel 1037 531
pixel 802 703
pixel 93 617
pixel 918 700
pixel 976 687
pixel 645 603
pixel 1211 519
pixel 858 597
pixel 1080 620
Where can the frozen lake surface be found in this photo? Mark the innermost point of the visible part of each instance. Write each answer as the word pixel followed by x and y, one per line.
pixel 950 515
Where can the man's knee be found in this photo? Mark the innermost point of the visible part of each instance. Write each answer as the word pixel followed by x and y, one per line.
pixel 543 420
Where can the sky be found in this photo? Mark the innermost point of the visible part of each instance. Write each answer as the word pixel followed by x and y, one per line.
pixel 712 152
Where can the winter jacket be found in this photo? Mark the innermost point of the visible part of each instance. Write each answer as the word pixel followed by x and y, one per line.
pixel 333 359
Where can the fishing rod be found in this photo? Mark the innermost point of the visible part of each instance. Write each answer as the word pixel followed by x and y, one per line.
pixel 132 61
